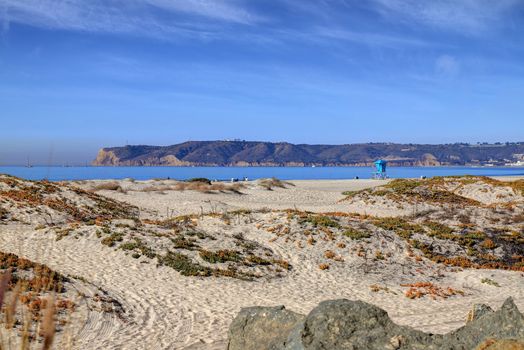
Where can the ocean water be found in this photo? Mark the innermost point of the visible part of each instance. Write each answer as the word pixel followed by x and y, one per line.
pixel 227 173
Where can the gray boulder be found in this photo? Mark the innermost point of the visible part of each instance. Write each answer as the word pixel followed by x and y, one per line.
pixel 477 311
pixel 261 328
pixel 353 325
pixel 344 324
pixel 505 323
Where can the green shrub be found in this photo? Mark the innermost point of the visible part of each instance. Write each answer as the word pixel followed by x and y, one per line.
pixel 112 239
pixel 321 221
pixel 490 282
pixel 355 234
pixel 181 242
pixel 183 264
pixel 220 256
pixel 400 226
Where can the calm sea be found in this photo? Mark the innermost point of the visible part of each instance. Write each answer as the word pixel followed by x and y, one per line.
pixel 226 173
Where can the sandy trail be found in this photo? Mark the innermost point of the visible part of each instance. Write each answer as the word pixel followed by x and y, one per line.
pixel 309 195
pixel 169 311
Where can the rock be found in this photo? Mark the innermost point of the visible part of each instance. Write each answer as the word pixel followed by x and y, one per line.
pixel 505 323
pixel 344 324
pixel 477 311
pixel 258 328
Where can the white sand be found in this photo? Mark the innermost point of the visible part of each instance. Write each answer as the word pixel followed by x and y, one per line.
pixel 309 195
pixel 169 311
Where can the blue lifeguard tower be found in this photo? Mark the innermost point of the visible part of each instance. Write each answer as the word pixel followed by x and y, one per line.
pixel 380 172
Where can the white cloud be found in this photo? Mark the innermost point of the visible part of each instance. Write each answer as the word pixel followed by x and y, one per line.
pixel 371 39
pixel 146 17
pixel 221 10
pixel 446 65
pixel 469 16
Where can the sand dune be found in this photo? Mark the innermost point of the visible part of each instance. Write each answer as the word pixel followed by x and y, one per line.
pixel 166 310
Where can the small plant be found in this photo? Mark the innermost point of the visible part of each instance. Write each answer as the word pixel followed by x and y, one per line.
pixel 329 254
pixel 490 282
pixel 183 264
pixel 181 242
pixel 379 255
pixel 257 260
pixel 140 246
pixel 421 289
pixel 269 184
pixel 355 234
pixel 323 266
pixel 107 186
pixel 113 239
pixel 321 221
pixel 438 230
pixel 488 244
pixel 375 288
pixel 400 226
pixel 200 180
pixel 220 256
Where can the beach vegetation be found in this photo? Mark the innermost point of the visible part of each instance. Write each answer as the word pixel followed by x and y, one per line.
pixel 321 221
pixel 398 225
pixel 355 234
pixel 323 266
pixel 490 282
pixel 329 254
pixel 273 182
pixel 200 180
pixel 184 264
pixel 220 256
pixel 181 242
pixel 421 289
pixel 137 245
pixel 112 239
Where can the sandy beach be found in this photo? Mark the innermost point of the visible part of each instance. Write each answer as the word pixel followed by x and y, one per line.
pixel 163 309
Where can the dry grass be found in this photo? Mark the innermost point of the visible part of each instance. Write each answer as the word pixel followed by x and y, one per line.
pixel 273 182
pixel 329 254
pixel 421 289
pixel 323 266
pixel 209 188
pixel 107 186
pixel 58 198
pixel 32 301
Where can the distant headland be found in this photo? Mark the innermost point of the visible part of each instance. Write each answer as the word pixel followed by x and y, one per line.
pixel 254 153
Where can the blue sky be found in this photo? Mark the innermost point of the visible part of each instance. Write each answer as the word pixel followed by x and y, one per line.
pixel 77 75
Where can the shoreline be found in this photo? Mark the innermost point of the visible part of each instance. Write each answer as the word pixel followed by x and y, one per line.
pixel 262 166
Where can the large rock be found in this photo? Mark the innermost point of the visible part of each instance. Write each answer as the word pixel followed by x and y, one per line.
pixel 477 311
pixel 505 323
pixel 353 325
pixel 260 328
pixel 344 324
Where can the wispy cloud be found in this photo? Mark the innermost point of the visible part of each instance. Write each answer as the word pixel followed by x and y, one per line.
pixel 469 16
pixel 370 39
pixel 221 10
pixel 160 18
pixel 447 66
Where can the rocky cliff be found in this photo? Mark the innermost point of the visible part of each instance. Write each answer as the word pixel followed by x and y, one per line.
pixel 245 153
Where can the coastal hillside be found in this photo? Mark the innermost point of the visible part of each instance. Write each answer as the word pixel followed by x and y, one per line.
pixel 250 153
